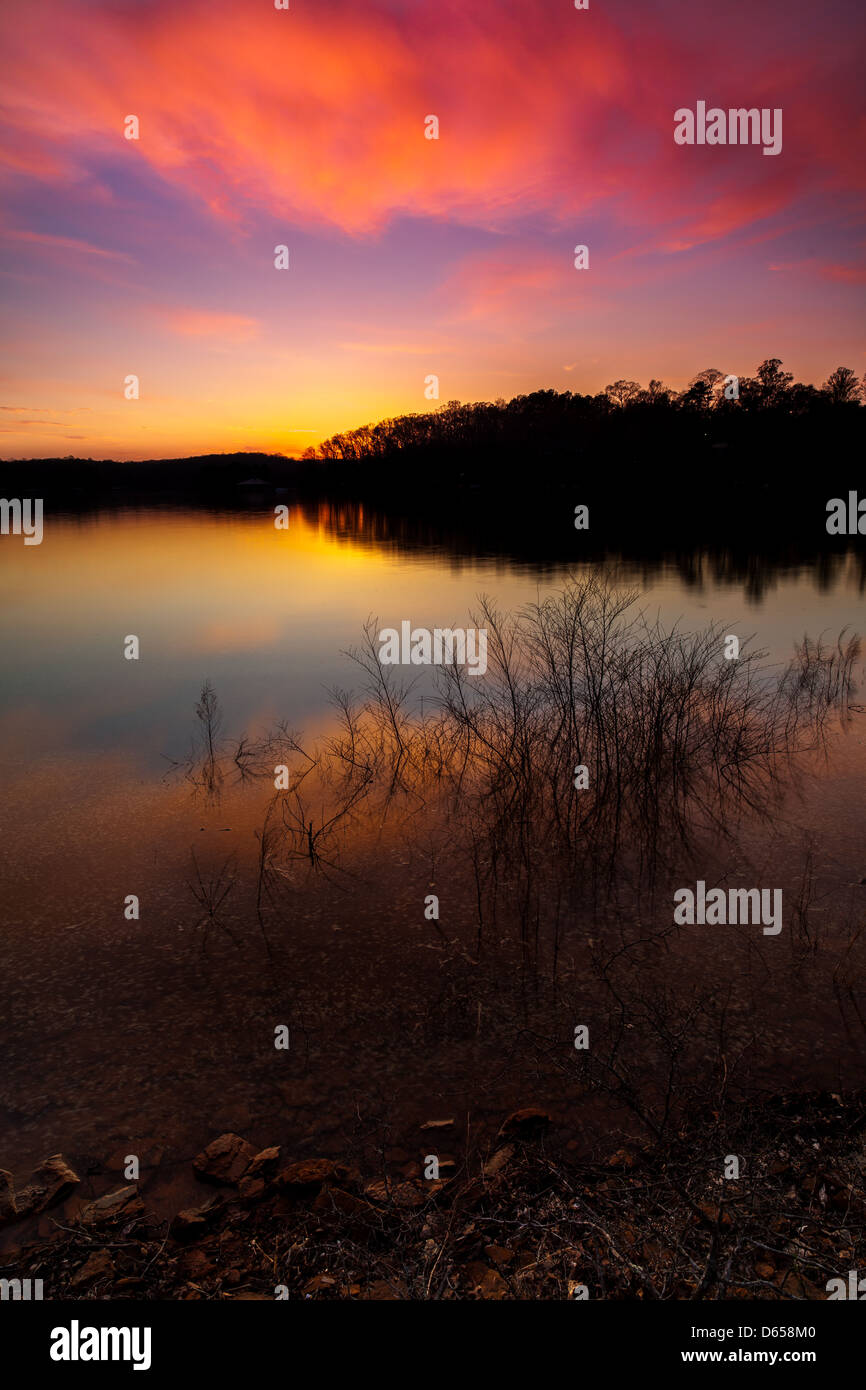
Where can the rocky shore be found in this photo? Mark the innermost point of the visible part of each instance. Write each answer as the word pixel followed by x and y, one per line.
pixel 516 1220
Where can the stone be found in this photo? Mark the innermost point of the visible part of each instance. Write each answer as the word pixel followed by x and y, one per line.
pixel 195 1264
pixel 485 1282
pixel 319 1281
pixel 623 1158
pixel 310 1172
pixel 379 1190
pixel 250 1189
pixel 499 1254
pixel 193 1221
pixel 384 1290
pixel 49 1184
pixel 528 1123
pixel 224 1161
pixel 99 1262
pixel 407 1195
pixel 498 1161
pixel 264 1163
pixel 123 1201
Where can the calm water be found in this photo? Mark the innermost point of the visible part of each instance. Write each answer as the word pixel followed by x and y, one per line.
pixel 268 615
pixel 115 1031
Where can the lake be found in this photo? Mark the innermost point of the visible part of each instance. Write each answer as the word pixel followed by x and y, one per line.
pixel 159 1030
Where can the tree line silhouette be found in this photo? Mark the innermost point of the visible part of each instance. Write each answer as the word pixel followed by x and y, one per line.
pixel 556 417
pixel 749 468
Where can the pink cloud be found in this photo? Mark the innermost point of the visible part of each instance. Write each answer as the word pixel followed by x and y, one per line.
pixel 540 108
pixel 64 243
pixel 827 270
pixel 207 323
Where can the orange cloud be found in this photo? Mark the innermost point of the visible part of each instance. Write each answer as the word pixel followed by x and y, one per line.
pixel 249 109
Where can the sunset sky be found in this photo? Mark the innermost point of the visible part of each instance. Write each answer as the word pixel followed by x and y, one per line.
pixel 409 256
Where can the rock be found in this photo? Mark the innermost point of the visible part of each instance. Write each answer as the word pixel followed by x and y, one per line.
pixel 382 1290
pixel 264 1163
pixel 499 1160
pixel 99 1262
pixel 402 1194
pixel 123 1201
pixel 434 1185
pixel 528 1123
pixel 250 1189
pixel 193 1221
pixel 195 1264
pixel 379 1190
pixel 487 1283
pixel 408 1195
pixel 224 1161
pixel 8 1205
pixel 310 1172
pixel 49 1184
pixel 319 1281
pixel 623 1158
pixel 798 1286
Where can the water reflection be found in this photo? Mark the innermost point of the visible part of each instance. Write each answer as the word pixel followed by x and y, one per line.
pixel 269 614
pixel 116 1029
